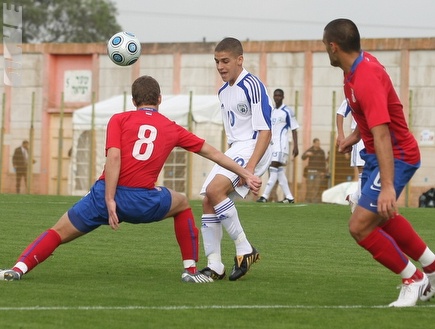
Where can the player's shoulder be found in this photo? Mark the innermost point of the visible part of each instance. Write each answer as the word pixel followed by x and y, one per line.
pixel 249 79
pixel 288 109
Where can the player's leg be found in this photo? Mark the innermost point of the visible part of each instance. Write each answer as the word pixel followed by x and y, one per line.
pixel 273 177
pixel 42 247
pixel 283 182
pixel 186 231
pixel 413 245
pixel 217 192
pixel 358 163
pixel 366 227
pixel 227 213
pixel 404 234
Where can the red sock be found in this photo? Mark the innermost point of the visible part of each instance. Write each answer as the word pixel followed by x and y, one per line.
pixel 384 249
pixel 430 268
pixel 40 249
pixel 405 236
pixel 186 233
pixel 418 275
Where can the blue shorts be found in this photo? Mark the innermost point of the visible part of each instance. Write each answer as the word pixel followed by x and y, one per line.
pixel 370 180
pixel 133 205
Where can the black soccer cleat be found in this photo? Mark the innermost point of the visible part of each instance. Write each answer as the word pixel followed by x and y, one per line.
pixel 212 274
pixel 242 264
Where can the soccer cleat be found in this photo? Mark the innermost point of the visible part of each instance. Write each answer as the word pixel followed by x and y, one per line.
pixel 9 275
pixel 411 291
pixel 242 264
pixel 212 274
pixel 287 201
pixel 430 292
pixel 262 199
pixel 198 277
pixel 352 203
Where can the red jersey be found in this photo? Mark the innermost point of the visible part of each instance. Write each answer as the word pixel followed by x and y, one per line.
pixel 373 101
pixel 146 138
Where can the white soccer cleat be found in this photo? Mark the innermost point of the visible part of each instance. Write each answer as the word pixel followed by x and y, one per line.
pixel 198 277
pixel 411 291
pixel 9 275
pixel 430 292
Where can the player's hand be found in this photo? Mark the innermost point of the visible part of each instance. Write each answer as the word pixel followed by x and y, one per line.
pixel 113 217
pixel 295 152
pixel 344 148
pixel 254 183
pixel 387 204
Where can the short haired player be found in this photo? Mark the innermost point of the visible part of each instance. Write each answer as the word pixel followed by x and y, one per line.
pixel 246 109
pixel 391 158
pixel 137 146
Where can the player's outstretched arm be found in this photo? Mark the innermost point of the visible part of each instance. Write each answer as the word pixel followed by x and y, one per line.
pixel 211 153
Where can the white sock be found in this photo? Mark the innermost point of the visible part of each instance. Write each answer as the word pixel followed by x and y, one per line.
pixel 211 230
pixel 273 177
pixel 408 271
pixel 226 211
pixel 283 182
pixel 427 258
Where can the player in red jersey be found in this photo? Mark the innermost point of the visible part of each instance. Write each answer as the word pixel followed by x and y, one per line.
pixel 391 158
pixel 137 146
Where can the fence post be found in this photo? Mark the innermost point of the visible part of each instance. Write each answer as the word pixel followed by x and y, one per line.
pixel 332 141
pixel 2 138
pixel 92 155
pixel 31 144
pixel 60 146
pixel 295 159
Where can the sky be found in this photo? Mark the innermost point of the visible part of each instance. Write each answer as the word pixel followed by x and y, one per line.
pixel 264 20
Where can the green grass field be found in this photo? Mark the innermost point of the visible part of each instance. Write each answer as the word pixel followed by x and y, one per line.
pixel 311 274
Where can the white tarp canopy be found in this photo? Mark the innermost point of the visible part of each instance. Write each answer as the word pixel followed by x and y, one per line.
pixel 88 155
pixel 337 194
pixel 205 108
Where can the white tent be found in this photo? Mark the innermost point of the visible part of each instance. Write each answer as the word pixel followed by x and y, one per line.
pixel 89 129
pixel 205 108
pixel 337 194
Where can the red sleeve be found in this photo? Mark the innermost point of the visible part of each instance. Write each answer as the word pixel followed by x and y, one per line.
pixel 189 141
pixel 375 107
pixel 114 138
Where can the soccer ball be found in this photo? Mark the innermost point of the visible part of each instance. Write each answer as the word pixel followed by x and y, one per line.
pixel 123 48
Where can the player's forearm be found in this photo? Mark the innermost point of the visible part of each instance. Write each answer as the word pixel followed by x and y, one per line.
pixel 111 174
pixel 340 130
pixel 221 159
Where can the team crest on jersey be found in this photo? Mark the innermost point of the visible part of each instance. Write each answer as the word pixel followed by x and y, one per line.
pixel 243 109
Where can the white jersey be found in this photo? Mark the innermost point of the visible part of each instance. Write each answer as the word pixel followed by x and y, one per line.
pixel 355 158
pixel 343 110
pixel 246 108
pixel 283 120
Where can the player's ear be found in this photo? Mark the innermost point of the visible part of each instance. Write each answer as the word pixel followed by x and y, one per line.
pixel 159 100
pixel 134 103
pixel 240 60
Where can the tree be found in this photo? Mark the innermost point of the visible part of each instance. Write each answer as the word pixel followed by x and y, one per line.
pixel 64 21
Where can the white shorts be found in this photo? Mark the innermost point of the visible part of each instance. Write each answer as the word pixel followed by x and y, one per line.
pixel 241 152
pixel 280 152
pixel 355 158
pixel 280 157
